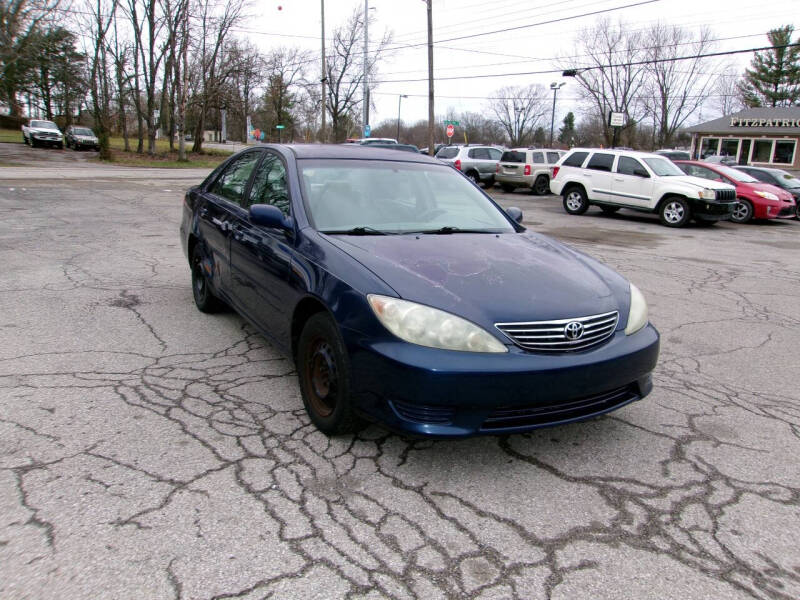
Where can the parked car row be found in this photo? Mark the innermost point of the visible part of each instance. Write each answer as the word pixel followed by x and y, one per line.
pixel 46 133
pixel 678 191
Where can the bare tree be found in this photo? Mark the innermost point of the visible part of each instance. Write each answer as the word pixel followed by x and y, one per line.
pixel 726 97
pixel 345 72
pixel 102 15
pixel 613 75
pixel 286 76
pixel 677 79
pixel 519 110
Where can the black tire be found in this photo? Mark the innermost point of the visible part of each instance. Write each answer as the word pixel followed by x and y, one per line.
pixel 24 139
pixel 674 212
pixel 204 298
pixel 742 212
pixel 575 201
pixel 609 210
pixel 324 373
pixel 507 188
pixel 33 142
pixel 541 186
pixel 476 179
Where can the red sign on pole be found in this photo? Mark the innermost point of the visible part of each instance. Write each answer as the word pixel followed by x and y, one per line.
pixel 450 131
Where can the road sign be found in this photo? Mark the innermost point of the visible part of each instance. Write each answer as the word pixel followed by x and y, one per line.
pixel 280 126
pixel 450 130
pixel 616 119
pixel 454 123
pixel 367 130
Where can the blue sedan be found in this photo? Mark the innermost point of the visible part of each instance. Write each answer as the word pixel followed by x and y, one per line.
pixel 407 297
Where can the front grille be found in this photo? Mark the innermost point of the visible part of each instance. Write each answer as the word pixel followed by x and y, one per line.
pixel 550 336
pixel 422 413
pixel 526 416
pixel 725 195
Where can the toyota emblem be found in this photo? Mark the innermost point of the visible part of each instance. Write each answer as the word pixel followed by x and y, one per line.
pixel 573 330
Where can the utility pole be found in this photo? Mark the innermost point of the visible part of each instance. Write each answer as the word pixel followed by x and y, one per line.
pixel 555 87
pixel 431 139
pixel 322 136
pixel 366 69
pixel 399 100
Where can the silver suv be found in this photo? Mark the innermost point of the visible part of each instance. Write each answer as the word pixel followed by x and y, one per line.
pixel 476 162
pixel 527 167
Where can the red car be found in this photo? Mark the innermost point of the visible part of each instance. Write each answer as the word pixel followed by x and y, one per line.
pixel 756 200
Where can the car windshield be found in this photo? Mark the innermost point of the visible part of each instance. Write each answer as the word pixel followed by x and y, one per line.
pixel 663 167
pixel 736 175
pixel 44 124
pixel 82 131
pixel 371 197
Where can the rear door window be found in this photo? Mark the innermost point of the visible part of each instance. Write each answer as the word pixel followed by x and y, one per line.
pixel 601 161
pixel 494 154
pixel 513 156
pixel 479 153
pixel 450 152
pixel 575 159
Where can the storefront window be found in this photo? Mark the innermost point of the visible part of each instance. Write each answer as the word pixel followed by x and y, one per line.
pixel 730 148
pixel 784 152
pixel 710 147
pixel 762 150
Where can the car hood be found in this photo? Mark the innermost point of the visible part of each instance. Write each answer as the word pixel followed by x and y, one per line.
pixel 43 130
pixel 784 195
pixel 701 183
pixel 489 278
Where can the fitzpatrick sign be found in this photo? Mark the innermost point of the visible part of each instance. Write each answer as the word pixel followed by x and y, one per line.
pixel 739 122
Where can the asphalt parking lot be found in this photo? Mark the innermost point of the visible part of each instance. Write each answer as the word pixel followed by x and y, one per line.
pixel 148 450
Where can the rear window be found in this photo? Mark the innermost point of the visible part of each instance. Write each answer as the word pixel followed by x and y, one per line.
pixel 601 161
pixel 552 157
pixel 575 159
pixel 450 152
pixel 513 156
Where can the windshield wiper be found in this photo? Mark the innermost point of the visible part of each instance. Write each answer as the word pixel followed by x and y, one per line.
pixel 450 229
pixel 357 231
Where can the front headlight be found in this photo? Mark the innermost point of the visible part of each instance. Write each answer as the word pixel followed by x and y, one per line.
pixel 707 194
pixel 767 195
pixel 637 315
pixel 426 326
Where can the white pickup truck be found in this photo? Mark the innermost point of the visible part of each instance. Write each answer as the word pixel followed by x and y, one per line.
pixel 614 179
pixel 44 133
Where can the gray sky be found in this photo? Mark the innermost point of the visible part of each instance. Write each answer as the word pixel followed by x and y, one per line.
pixel 530 49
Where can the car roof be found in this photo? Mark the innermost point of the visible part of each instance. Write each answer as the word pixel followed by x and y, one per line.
pixel 526 149
pixel 634 153
pixel 356 152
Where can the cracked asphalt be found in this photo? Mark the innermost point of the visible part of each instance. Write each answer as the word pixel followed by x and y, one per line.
pixel 150 451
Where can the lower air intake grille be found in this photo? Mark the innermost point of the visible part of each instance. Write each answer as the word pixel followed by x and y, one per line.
pixel 422 413
pixel 524 416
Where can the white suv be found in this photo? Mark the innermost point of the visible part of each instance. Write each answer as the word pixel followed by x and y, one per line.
pixel 527 167
pixel 614 179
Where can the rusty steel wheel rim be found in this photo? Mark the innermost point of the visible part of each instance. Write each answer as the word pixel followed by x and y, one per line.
pixel 321 378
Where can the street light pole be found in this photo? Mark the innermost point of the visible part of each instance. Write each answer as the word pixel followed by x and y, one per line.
pixel 555 87
pixel 322 137
pixel 431 139
pixel 399 100
pixel 366 70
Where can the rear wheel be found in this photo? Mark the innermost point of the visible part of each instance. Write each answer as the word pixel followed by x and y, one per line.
pixel 742 212
pixel 323 370
pixel 476 179
pixel 204 298
pixel 575 201
pixel 675 212
pixel 542 185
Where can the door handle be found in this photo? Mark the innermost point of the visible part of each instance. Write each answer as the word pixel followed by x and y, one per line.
pixel 618 179
pixel 223 225
pixel 203 212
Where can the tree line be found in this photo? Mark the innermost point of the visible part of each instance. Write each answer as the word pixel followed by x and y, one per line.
pixel 137 67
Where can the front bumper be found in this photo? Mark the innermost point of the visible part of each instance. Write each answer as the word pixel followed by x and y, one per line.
pixel 436 393
pixel 712 211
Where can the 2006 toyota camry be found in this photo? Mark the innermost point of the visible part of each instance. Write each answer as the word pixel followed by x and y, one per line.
pixel 406 296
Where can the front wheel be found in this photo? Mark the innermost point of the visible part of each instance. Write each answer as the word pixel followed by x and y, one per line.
pixel 323 370
pixel 575 201
pixel 675 212
pixel 742 212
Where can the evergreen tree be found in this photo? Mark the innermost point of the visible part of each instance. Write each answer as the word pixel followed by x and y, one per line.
pixel 773 78
pixel 567 131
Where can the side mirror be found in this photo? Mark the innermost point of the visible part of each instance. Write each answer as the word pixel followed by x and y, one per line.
pixel 515 213
pixel 641 173
pixel 267 215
